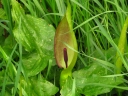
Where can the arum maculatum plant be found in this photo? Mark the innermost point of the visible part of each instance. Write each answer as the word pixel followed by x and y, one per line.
pixel 65 46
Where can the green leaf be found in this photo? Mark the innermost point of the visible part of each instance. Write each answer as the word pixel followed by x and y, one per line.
pixel 90 81
pixel 33 64
pixel 102 54
pixel 36 35
pixel 38 87
pixel 33 33
pixel 68 89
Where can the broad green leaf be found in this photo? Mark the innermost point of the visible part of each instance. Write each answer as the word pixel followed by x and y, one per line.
pixel 37 87
pixel 89 81
pixel 34 33
pixel 67 89
pixel 108 54
pixel 33 64
pixel 36 36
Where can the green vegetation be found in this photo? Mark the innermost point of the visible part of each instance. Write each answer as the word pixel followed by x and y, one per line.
pixel 27 60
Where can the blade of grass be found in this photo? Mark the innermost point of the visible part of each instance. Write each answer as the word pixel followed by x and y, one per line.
pixel 93 17
pixel 7 8
pixel 49 68
pixel 9 66
pixel 17 79
pixel 3 25
pixel 29 4
pixel 61 6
